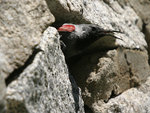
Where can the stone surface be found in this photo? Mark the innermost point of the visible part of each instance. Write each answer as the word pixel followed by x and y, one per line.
pixel 70 11
pixel 2 94
pixel 142 8
pixel 45 85
pixel 131 101
pixel 21 25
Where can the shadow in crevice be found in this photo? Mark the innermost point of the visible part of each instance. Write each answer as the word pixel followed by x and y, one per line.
pixel 147 35
pixel 65 14
pixel 15 74
pixel 87 109
pixel 113 95
pixel 81 65
pixel 16 106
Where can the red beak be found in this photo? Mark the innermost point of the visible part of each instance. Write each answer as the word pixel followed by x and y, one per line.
pixel 67 28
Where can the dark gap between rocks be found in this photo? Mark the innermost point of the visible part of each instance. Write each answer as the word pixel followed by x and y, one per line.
pixel 113 95
pixel 87 109
pixel 15 74
pixel 147 35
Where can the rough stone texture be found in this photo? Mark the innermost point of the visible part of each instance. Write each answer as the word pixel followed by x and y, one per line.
pixel 44 85
pixel 131 101
pixel 142 8
pixel 21 25
pixel 106 74
pixel 2 94
pixel 66 11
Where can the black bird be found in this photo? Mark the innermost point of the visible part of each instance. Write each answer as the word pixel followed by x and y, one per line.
pixel 76 38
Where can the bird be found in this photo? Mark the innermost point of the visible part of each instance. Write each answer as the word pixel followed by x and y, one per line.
pixel 76 38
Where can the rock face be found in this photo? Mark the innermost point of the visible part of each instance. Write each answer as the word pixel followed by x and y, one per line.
pixel 131 101
pixel 34 77
pixel 21 26
pixel 142 8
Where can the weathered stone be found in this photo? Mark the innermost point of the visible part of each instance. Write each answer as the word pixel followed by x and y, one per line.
pixel 131 101
pixel 44 86
pixel 142 8
pixel 67 11
pixel 123 7
pixel 2 94
pixel 21 25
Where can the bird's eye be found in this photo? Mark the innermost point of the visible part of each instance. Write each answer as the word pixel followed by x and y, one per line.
pixel 93 29
pixel 84 28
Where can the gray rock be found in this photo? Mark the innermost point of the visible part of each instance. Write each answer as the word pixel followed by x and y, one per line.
pixel 21 26
pixel 142 8
pixel 131 101
pixel 44 86
pixel 2 94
